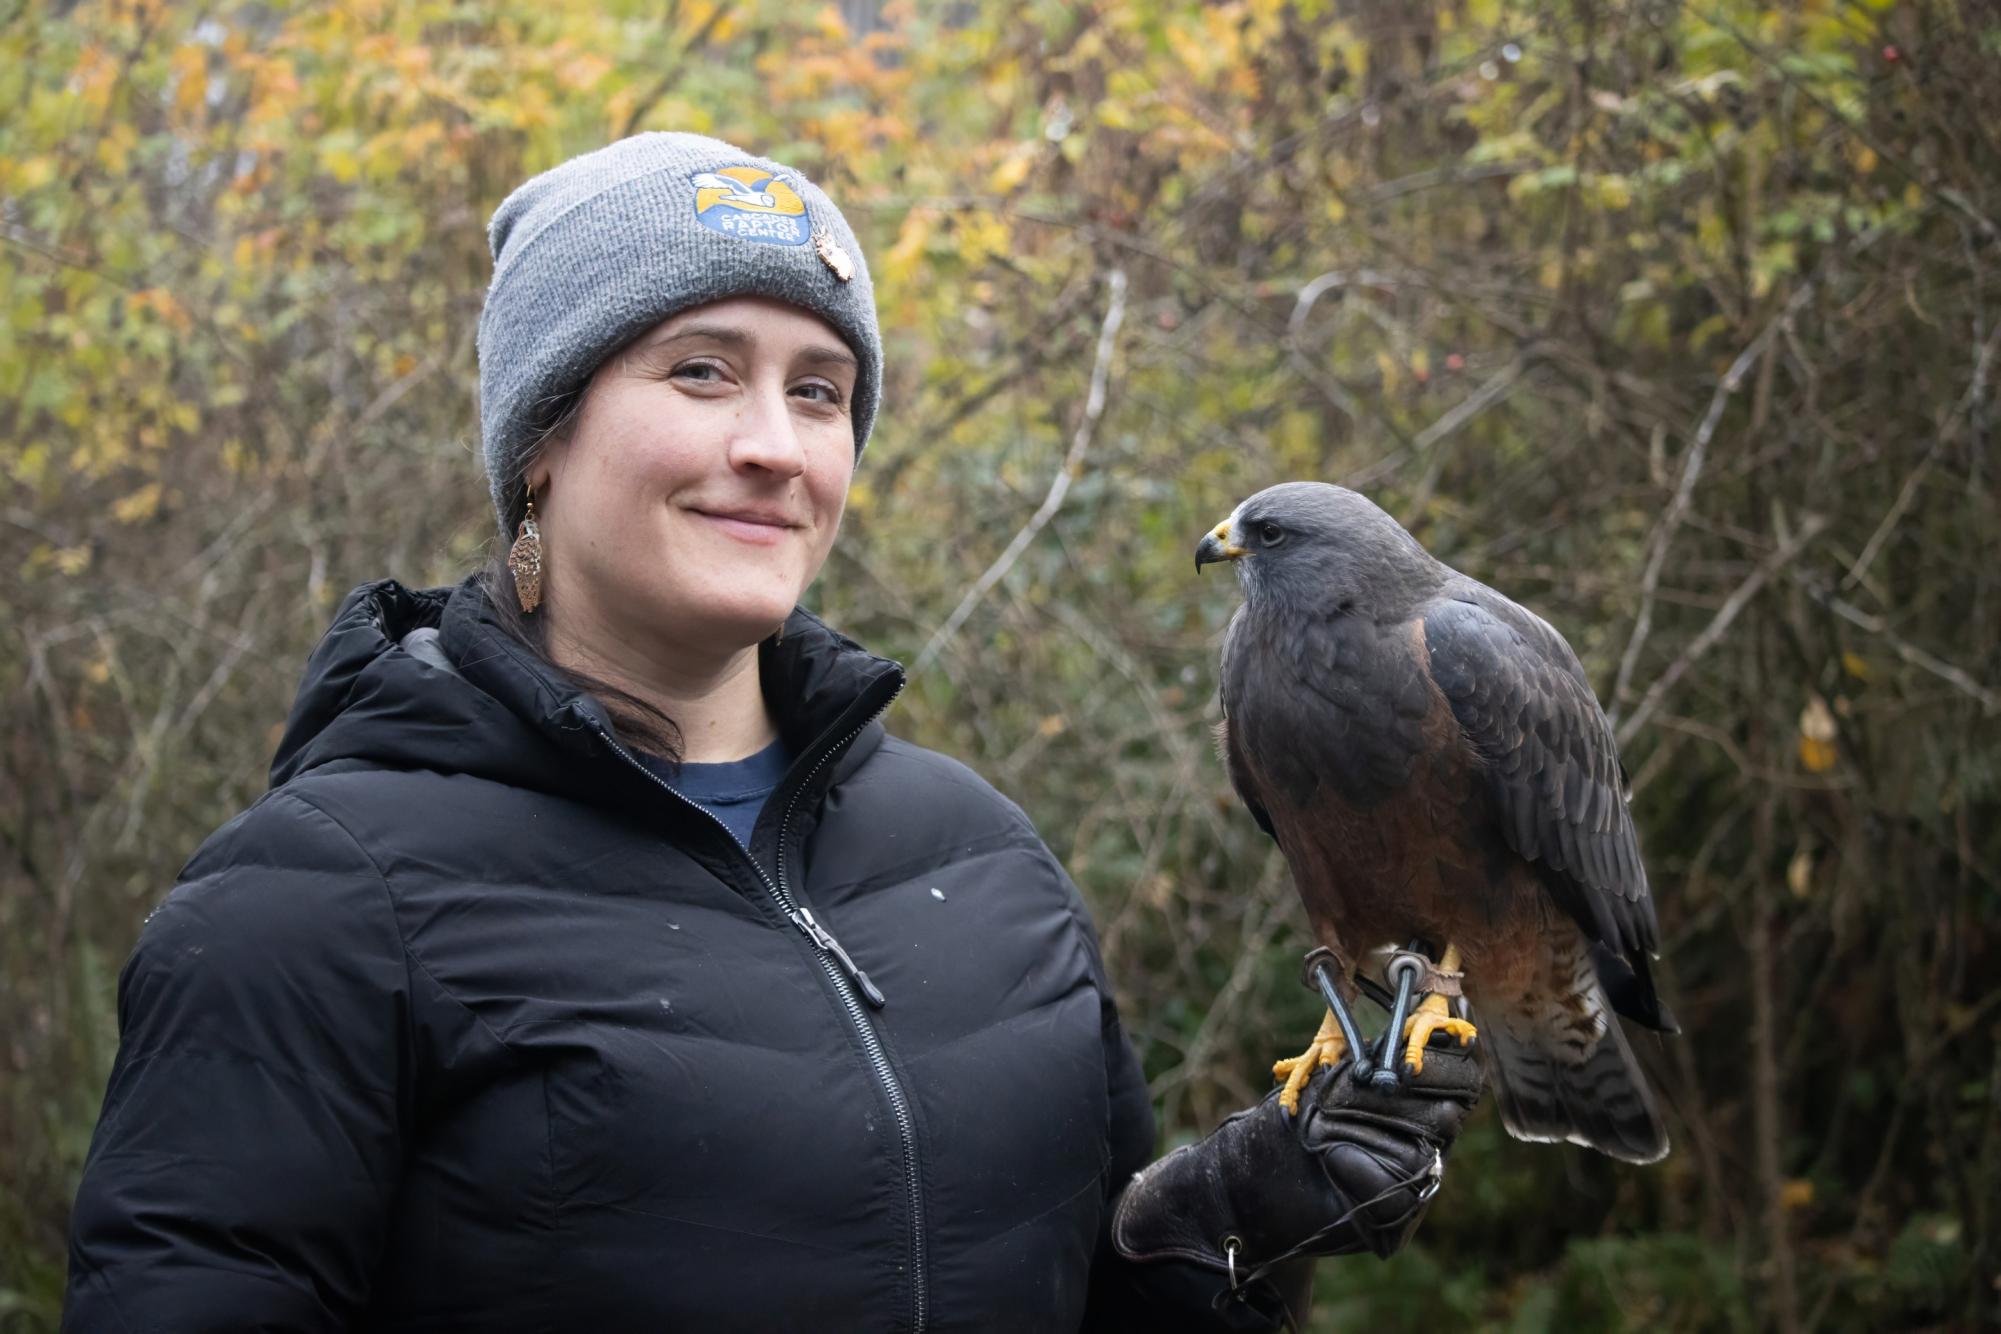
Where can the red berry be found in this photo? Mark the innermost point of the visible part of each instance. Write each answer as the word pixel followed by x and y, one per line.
pixel 1891 54
pixel 1455 362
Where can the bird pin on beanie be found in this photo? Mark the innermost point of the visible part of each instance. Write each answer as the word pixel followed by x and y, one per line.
pixel 594 252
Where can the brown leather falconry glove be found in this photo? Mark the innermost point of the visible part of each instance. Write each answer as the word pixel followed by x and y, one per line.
pixel 1352 1172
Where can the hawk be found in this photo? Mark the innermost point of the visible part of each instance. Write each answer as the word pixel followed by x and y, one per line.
pixel 1434 766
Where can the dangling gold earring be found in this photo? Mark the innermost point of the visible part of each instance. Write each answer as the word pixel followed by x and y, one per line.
pixel 524 558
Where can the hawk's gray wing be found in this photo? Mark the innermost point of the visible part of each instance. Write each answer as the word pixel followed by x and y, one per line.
pixel 1552 765
pixel 1232 745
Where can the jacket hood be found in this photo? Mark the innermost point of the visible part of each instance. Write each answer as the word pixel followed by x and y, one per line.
pixel 379 693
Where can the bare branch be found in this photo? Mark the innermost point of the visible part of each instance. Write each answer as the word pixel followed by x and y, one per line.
pixel 1496 390
pixel 1719 623
pixel 1312 291
pixel 1684 491
pixel 1909 491
pixel 1073 465
pixel 1903 648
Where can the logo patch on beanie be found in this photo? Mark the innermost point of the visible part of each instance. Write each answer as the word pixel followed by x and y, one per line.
pixel 750 204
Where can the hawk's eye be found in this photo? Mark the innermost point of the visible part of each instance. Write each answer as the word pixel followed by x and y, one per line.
pixel 1270 533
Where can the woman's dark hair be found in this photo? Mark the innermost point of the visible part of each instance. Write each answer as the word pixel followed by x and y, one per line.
pixel 637 721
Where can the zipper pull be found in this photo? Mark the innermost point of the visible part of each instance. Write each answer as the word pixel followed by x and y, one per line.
pixel 819 935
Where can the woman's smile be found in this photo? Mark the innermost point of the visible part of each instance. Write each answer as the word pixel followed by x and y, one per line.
pixel 756 527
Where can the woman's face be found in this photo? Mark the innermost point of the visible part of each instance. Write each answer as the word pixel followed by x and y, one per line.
pixel 703 482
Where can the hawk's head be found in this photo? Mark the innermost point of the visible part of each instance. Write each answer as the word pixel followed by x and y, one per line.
pixel 1308 547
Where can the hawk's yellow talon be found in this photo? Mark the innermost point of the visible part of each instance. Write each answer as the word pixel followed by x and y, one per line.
pixel 1327 1048
pixel 1431 1017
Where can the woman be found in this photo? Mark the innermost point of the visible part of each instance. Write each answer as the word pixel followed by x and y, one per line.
pixel 597 961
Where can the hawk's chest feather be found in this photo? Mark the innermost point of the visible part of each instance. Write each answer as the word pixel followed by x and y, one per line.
pixel 1337 704
pixel 1362 769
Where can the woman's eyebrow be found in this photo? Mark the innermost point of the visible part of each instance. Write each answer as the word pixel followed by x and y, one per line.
pixel 826 356
pixel 715 333
pixel 732 337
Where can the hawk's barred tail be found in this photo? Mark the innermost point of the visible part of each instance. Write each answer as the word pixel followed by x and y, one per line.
pixel 1602 1102
pixel 1564 1071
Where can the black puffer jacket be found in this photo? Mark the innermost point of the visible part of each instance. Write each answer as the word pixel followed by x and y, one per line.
pixel 471 1023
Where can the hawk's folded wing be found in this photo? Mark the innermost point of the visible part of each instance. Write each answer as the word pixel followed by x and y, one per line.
pixel 1552 764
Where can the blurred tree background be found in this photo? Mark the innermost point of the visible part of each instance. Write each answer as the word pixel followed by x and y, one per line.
pixel 1676 321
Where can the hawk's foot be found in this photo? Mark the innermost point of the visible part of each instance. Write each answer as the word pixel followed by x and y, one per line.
pixel 1327 1048
pixel 1432 1017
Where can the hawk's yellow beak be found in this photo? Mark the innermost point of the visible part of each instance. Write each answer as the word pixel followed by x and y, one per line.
pixel 1216 545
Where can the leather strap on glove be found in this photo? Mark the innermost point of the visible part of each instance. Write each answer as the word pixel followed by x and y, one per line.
pixel 1352 1172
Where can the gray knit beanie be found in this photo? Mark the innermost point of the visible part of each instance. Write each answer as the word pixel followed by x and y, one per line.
pixel 592 253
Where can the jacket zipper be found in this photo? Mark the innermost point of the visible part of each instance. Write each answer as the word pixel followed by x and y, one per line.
pixel 899 1105
pixel 850 983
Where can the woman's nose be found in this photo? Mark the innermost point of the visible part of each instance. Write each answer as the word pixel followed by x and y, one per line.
pixel 766 436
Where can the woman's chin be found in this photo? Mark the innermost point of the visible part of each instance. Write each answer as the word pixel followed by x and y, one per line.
pixel 722 604
pixel 741 620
